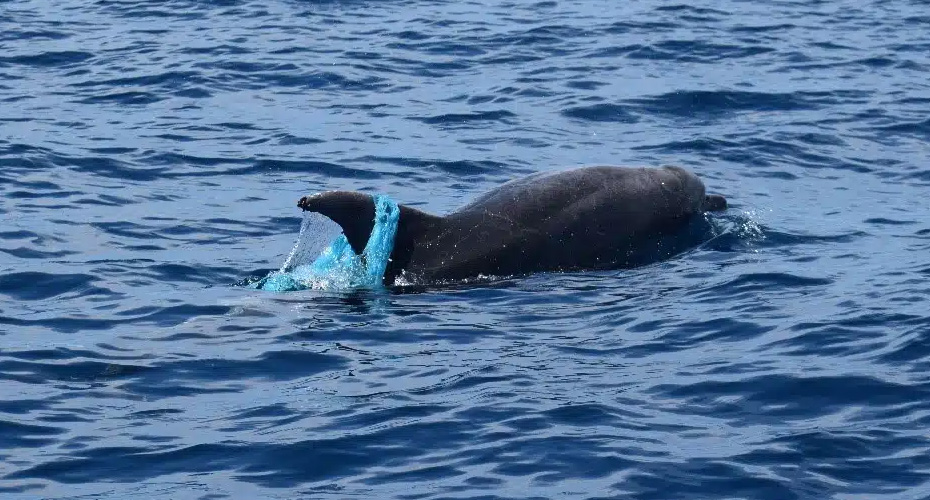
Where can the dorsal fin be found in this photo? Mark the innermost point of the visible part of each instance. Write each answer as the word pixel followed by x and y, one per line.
pixel 353 211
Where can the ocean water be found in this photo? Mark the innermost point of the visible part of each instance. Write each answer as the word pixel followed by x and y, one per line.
pixel 152 154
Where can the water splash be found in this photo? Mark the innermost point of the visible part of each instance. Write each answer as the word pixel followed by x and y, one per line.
pixel 337 267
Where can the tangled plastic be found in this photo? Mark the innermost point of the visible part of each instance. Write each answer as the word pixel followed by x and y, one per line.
pixel 337 266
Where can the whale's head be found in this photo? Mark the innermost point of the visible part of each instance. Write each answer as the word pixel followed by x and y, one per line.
pixel 353 211
pixel 714 203
pixel 699 200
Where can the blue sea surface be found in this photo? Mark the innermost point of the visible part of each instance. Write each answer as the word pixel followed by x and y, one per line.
pixel 152 154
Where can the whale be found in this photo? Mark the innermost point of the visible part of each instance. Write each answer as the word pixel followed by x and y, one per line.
pixel 588 218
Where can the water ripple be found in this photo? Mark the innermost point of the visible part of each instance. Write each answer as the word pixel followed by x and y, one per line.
pixel 151 154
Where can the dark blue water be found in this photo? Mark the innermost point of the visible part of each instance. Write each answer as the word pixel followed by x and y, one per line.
pixel 151 157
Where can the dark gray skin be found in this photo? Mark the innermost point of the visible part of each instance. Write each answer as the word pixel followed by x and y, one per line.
pixel 587 218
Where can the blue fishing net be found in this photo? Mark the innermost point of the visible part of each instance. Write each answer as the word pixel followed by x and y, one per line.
pixel 338 267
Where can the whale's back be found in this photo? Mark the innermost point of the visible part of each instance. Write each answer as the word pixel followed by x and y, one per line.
pixel 588 218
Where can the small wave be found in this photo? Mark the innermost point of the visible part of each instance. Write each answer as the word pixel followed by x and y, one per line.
pixel 63 58
pixel 697 51
pixel 763 28
pixel 167 79
pixel 756 282
pixel 41 286
pixel 920 128
pixel 641 25
pixel 461 118
pixel 129 98
pixel 163 317
pixel 26 34
pixel 778 238
pixel 19 435
pixel 33 372
pixel 32 253
pixel 711 103
pixel 690 9
pixel 455 167
pixel 601 113
pixel 791 397
pixel 883 221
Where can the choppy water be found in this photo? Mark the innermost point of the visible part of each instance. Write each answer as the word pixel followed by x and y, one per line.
pixel 151 155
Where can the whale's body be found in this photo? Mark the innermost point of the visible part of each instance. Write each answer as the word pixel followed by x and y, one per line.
pixel 586 218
